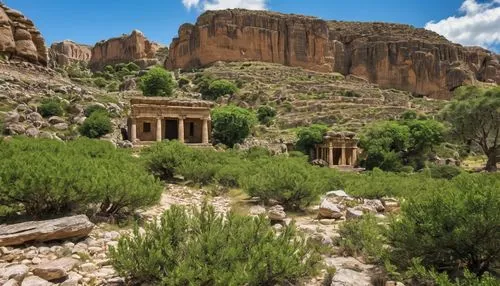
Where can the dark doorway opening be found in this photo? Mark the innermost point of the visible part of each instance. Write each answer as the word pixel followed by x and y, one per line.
pixel 171 129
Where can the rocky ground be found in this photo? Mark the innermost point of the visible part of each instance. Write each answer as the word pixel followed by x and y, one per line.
pixel 85 261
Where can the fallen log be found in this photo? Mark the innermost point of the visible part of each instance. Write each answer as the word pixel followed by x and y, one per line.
pixel 47 230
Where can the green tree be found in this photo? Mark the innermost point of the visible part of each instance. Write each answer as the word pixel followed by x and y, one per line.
pixel 51 107
pixel 96 125
pixel 232 124
pixel 475 119
pixel 309 136
pixel 220 87
pixel 157 82
pixel 200 247
pixel 266 114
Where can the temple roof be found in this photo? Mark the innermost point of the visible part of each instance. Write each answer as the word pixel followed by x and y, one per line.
pixel 187 102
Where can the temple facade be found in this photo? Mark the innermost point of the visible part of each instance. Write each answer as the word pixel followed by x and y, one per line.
pixel 157 119
pixel 339 149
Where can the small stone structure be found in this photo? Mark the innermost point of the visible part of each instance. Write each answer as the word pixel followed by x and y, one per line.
pixel 156 119
pixel 338 149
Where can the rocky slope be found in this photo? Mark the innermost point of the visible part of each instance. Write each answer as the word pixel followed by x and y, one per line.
pixel 391 55
pixel 67 52
pixel 20 39
pixel 128 48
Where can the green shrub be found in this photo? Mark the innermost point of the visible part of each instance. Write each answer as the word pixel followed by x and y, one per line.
pixel 157 82
pixel 203 81
pixel 96 125
pixel 309 136
pixel 183 82
pixel 89 110
pixel 100 82
pixel 220 87
pixel 266 114
pixel 203 248
pixel 51 107
pixel 78 70
pixel 454 226
pixel 231 124
pixel 363 237
pixel 50 178
pixel 133 67
pixel 113 86
pixel 444 171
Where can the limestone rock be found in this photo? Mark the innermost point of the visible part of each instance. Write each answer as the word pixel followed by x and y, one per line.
pixel 20 39
pixel 32 132
pixel 35 281
pixel 55 269
pixel 56 119
pixel 128 48
pixel 329 210
pixel 61 126
pixel 352 213
pixel 257 210
pixel 16 272
pixel 276 213
pixel 56 229
pixel 67 52
pixel 390 204
pixel 15 129
pixel 11 282
pixel 73 279
pixel 375 204
pixel 391 55
pixel 337 193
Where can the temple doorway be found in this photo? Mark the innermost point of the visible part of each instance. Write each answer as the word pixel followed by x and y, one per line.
pixel 171 129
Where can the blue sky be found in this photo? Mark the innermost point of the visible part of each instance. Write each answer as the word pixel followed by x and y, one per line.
pixel 90 21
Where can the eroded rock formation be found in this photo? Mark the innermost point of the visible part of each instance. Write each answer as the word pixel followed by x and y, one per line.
pixel 391 55
pixel 67 52
pixel 19 38
pixel 128 48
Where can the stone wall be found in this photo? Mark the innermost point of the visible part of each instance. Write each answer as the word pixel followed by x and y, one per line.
pixel 128 48
pixel 67 52
pixel 20 39
pixel 391 55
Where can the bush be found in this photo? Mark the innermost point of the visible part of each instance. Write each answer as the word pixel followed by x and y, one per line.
pixel 113 86
pixel 203 248
pixel 183 82
pixel 51 107
pixel 444 171
pixel 133 67
pixel 89 110
pixel 266 114
pixel 453 227
pixel 309 136
pixel 231 124
pixel 157 82
pixel 362 237
pixel 100 82
pixel 96 125
pixel 50 178
pixel 220 87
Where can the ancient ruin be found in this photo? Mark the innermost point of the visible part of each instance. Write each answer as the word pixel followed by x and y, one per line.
pixel 339 149
pixel 158 119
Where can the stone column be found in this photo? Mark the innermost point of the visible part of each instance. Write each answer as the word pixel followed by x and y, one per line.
pixel 181 129
pixel 133 130
pixel 330 155
pixel 158 130
pixel 354 156
pixel 343 159
pixel 317 152
pixel 204 131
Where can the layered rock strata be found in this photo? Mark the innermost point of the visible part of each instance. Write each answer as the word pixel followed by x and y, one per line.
pixel 67 52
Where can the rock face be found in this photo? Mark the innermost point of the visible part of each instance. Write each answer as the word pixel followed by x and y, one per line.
pixel 67 52
pixel 128 48
pixel 391 55
pixel 19 38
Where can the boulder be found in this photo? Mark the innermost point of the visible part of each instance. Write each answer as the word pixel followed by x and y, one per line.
pixel 352 213
pixel 329 210
pixel 35 281
pixel 55 269
pixel 16 272
pixel 73 279
pixel 11 282
pixel 337 193
pixel 11 117
pixel 15 129
pixel 56 119
pixel 34 117
pixel 276 213
pixel 374 204
pixel 55 229
pixel 32 132
pixel 61 126
pixel 390 204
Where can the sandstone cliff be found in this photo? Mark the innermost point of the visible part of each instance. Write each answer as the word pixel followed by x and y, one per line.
pixel 67 52
pixel 128 48
pixel 391 55
pixel 19 38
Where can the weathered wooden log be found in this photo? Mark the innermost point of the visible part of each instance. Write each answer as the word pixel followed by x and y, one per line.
pixel 39 231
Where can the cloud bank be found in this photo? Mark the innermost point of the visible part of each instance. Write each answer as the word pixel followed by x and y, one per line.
pixel 225 4
pixel 477 24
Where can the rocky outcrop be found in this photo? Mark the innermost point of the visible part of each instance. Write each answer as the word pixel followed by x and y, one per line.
pixel 128 48
pixel 391 55
pixel 66 52
pixel 20 39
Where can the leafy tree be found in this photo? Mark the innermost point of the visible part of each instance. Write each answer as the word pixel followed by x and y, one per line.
pixel 133 67
pixel 100 82
pixel 475 119
pixel 200 247
pixel 310 136
pixel 266 114
pixel 220 87
pixel 51 107
pixel 94 108
pixel 96 125
pixel 232 124
pixel 157 82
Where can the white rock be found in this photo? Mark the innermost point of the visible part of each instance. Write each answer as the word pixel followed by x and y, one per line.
pixel 328 209
pixel 88 267
pixel 257 210
pixel 73 279
pixel 16 272
pixel 337 193
pixel 277 213
pixel 55 269
pixel 35 281
pixel 11 282
pixel 43 250
pixel 375 204
pixel 352 213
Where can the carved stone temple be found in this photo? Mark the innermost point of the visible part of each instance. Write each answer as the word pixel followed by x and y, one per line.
pixel 339 149
pixel 157 119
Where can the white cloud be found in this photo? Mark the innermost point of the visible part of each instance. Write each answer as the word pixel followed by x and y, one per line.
pixel 226 4
pixel 478 24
